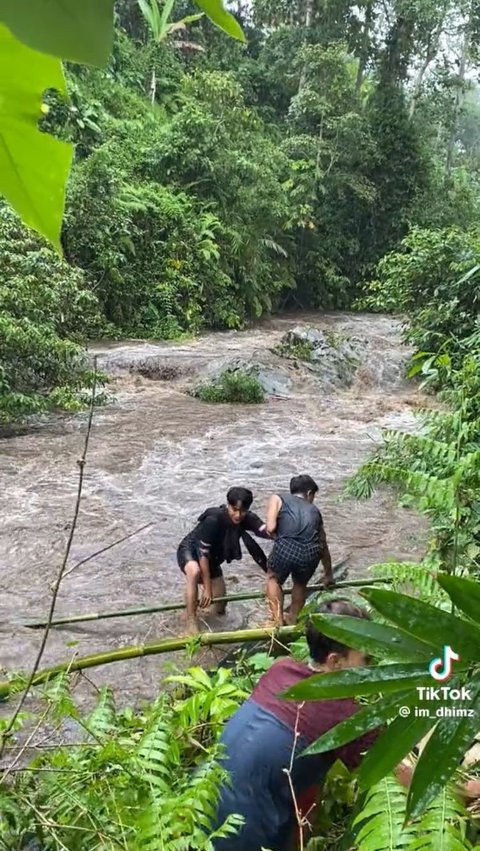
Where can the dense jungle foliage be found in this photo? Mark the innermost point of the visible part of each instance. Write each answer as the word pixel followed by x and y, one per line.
pixel 215 182
pixel 333 162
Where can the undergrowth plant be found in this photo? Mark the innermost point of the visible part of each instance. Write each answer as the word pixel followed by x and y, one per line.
pixel 346 820
pixel 143 781
pixel 437 471
pixel 232 386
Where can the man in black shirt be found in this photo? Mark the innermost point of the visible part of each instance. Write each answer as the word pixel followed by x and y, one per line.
pixel 215 540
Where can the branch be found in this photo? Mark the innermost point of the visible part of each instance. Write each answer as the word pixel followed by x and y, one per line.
pixel 302 820
pixel 105 549
pixel 81 465
pixel 165 645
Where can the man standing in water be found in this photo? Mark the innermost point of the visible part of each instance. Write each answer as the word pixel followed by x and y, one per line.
pixel 300 545
pixel 215 540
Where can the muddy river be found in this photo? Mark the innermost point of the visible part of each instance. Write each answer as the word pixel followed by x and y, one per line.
pixel 158 455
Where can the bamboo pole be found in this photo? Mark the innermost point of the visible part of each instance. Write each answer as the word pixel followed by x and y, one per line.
pixel 172 607
pixel 166 645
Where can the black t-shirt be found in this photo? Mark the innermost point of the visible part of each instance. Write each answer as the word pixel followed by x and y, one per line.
pixel 217 538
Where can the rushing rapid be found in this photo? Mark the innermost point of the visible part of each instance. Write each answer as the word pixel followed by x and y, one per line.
pixel 158 455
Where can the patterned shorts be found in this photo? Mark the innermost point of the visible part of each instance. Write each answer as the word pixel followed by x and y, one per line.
pixel 296 559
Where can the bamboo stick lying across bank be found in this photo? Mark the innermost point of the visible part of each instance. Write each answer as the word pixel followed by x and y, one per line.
pixel 166 645
pixel 172 607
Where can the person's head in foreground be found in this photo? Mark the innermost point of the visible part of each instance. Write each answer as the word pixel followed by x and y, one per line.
pixel 239 501
pixel 304 486
pixel 327 654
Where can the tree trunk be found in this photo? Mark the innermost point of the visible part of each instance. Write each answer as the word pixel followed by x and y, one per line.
pixel 362 64
pixel 153 87
pixel 417 88
pixel 308 24
pixel 458 95
pixel 431 52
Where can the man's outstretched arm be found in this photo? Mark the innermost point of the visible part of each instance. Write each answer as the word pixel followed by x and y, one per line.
pixel 326 558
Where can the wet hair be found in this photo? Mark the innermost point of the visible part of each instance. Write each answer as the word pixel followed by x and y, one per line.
pixel 303 485
pixel 240 495
pixel 320 645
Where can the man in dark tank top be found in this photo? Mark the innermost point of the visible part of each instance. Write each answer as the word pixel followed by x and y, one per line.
pixel 300 545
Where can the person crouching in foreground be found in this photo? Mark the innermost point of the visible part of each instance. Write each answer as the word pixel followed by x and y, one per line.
pixel 300 545
pixel 268 733
pixel 260 738
pixel 215 540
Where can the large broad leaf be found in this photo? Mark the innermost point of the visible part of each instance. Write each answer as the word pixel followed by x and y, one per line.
pixel 443 754
pixel 33 166
pixel 392 746
pixel 215 10
pixel 359 681
pixel 464 593
pixel 78 30
pixel 426 622
pixel 374 638
pixel 368 718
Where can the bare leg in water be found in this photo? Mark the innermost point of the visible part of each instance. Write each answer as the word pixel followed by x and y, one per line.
pixel 219 590
pixel 274 598
pixel 299 595
pixel 194 577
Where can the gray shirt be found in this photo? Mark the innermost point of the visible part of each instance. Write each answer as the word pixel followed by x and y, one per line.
pixel 298 520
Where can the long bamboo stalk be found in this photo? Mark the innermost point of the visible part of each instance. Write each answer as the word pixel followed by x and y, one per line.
pixel 166 645
pixel 338 574
pixel 172 607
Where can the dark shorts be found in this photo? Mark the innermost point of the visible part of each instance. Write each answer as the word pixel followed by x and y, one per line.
pixel 258 748
pixel 187 551
pixel 294 558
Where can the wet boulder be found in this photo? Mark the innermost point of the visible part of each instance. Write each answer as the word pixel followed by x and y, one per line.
pixel 274 380
pixel 333 358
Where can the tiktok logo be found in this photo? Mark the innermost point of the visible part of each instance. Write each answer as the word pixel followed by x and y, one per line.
pixel 441 668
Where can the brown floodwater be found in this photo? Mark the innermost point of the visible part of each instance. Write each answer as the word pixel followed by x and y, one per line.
pixel 158 455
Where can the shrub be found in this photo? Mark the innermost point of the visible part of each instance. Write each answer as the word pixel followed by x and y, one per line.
pixel 232 386
pixel 434 279
pixel 46 309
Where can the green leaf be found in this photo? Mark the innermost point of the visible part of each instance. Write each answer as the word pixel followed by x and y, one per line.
pixel 392 746
pixel 371 637
pixel 151 14
pixel 215 10
pixel 352 682
pixel 468 275
pixel 465 593
pixel 78 30
pixel 166 12
pixel 442 755
pixel 368 718
pixel 426 622
pixel 414 370
pixel 33 166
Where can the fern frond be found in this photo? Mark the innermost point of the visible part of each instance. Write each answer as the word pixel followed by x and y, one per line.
pixel 442 827
pixel 381 821
pixel 412 578
pixel 102 720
